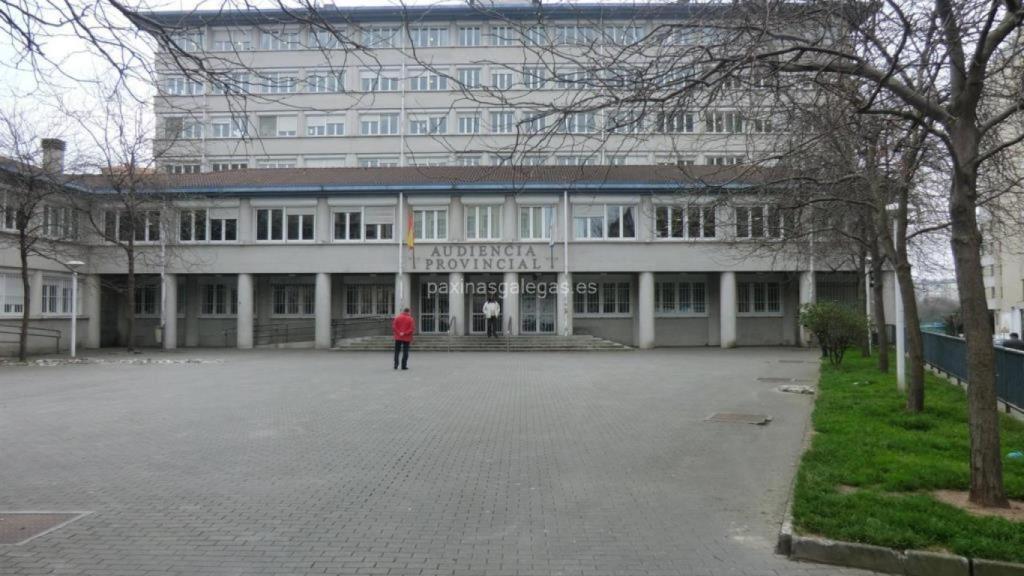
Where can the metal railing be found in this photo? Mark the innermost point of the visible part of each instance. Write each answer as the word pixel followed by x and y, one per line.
pixel 508 334
pixel 33 332
pixel 452 322
pixel 949 354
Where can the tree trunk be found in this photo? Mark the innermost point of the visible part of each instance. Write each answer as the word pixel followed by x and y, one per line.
pixel 130 290
pixel 862 298
pixel 982 407
pixel 912 332
pixel 878 310
pixel 26 301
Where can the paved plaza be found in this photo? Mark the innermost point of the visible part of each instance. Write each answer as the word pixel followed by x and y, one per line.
pixel 479 464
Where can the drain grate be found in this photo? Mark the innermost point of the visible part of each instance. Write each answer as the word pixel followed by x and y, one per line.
pixel 737 418
pixel 20 527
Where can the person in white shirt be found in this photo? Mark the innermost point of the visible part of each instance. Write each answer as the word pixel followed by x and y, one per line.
pixel 492 312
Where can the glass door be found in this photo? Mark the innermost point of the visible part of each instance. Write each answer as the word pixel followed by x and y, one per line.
pixel 433 312
pixel 536 311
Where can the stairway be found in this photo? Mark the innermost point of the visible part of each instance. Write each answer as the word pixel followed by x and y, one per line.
pixel 444 343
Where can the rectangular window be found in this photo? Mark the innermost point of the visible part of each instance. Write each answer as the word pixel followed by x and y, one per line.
pixel 12 294
pixel 625 121
pixel 189 41
pixel 603 221
pixel 8 213
pixel 603 299
pixel 285 224
pixel 464 160
pixel 570 79
pixel 430 223
pixel 279 40
pixel 535 77
pixel 182 128
pixel 369 300
pixel 424 125
pixel 147 298
pixel 182 86
pixel 680 298
pixel 469 123
pixel 675 122
pixel 724 123
pixel 120 226
pixel 228 40
pixel 278 126
pixel 427 81
pixel 579 123
pixel 378 124
pixel 192 225
pixel 276 163
pixel 380 36
pixel 219 299
pixel 573 35
pixel 57 295
pixel 761 222
pixel 60 222
pixel 228 127
pixel 501 80
pixel 348 225
pixel 502 36
pixel 503 122
pixel 377 161
pixel 536 222
pixel 294 299
pixel 325 125
pixel 379 80
pixel 753 298
pixel 469 36
pixel 278 82
pixel 300 227
pixel 483 222
pixel 623 35
pixel 325 81
pixel 469 78
pixel 725 160
pixel 684 222
pixel 429 36
pixel 231 83
pixel 325 39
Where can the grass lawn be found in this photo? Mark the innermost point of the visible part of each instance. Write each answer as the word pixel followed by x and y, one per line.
pixel 864 439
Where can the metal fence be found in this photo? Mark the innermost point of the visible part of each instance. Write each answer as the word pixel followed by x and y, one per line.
pixel 949 354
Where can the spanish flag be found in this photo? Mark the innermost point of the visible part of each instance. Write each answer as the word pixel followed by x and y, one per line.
pixel 410 234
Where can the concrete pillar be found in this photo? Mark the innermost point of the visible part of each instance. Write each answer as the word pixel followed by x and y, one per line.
pixel 510 304
pixel 645 310
pixel 35 288
pixel 323 226
pixel 403 291
pixel 322 311
pixel 457 302
pixel 727 309
pixel 510 220
pixel 564 302
pixel 456 220
pixel 246 230
pixel 807 296
pixel 170 296
pixel 193 304
pixel 246 297
pixel 91 304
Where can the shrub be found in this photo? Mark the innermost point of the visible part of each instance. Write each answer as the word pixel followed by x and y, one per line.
pixel 837 327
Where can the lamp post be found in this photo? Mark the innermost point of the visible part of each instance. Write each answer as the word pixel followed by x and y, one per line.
pixel 74 265
pixel 901 345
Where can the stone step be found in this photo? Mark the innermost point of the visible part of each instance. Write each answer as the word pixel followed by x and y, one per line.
pixel 483 344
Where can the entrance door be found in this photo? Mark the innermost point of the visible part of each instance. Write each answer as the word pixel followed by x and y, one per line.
pixel 537 311
pixel 478 325
pixel 433 312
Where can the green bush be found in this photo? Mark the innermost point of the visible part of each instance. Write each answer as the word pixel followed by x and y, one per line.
pixel 837 327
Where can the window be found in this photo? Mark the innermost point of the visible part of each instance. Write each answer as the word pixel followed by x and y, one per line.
pixel 369 300
pixel 625 160
pixel 579 123
pixel 294 299
pixel 182 86
pixel 227 40
pixel 680 298
pixel 535 77
pixel 324 162
pixel 427 81
pixel 603 299
pixel 532 160
pixel 279 40
pixel 469 36
pixel 754 298
pixel 60 222
pixel 536 222
pixel 377 161
pixel 120 226
pixel 424 125
pixel 380 36
pixel 623 35
pixel 279 82
pixel 601 221
pixel 625 121
pixel 378 124
pixel 189 40
pixel 675 122
pixel 503 122
pixel 201 225
pixel 147 295
pixel 285 224
pixel 8 213
pixel 276 163
pixel 573 35
pixel 502 36
pixel 378 81
pixel 12 294
pixel 226 127
pixel 325 81
pixel 320 39
pixel 761 125
pixel 325 125
pixel 571 79
pixel 501 80
pixel 761 222
pixel 182 168
pixel 223 229
pixel 430 223
pixel 429 36
pixel 536 36
pixel 278 126
pixel 179 127
pixel 469 78
pixel 367 223
pixel 725 160
pixel 233 83
pixel 219 299
pixel 684 222
pixel 469 123
pixel 483 222
pixel 534 122
pixel 192 225
pixel 464 160
pixel 573 160
pixel 724 123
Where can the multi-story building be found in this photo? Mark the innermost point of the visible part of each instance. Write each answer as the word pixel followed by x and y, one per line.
pixel 457 85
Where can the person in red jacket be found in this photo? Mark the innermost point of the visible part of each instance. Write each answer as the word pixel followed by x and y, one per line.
pixel 403 328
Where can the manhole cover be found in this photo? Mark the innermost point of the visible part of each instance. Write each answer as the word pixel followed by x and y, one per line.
pixel 20 527
pixel 759 419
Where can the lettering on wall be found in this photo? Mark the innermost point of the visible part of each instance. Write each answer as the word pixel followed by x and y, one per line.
pixel 481 258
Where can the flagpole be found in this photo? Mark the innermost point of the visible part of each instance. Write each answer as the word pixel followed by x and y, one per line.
pixel 565 262
pixel 401 240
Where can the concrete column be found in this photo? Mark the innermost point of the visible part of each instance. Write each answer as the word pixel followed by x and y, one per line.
pixel 564 303
pixel 807 296
pixel 403 291
pixel 457 302
pixel 193 304
pixel 35 287
pixel 727 309
pixel 246 229
pixel 322 311
pixel 644 220
pixel 170 296
pixel 510 304
pixel 645 310
pixel 510 220
pixel 324 227
pixel 91 304
pixel 246 297
pixel 456 220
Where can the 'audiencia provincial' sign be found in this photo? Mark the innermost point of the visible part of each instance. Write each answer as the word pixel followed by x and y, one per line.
pixel 482 258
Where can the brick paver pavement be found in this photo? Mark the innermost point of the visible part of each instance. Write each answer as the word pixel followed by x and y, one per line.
pixel 303 462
